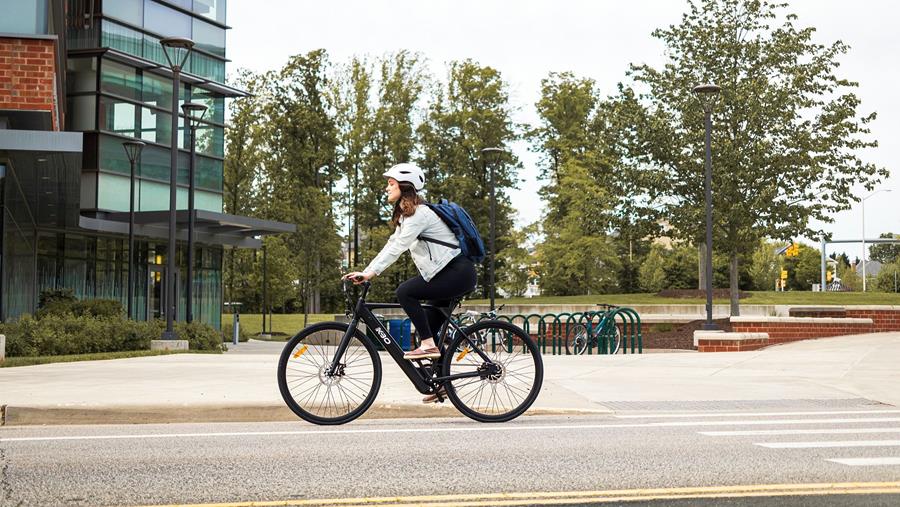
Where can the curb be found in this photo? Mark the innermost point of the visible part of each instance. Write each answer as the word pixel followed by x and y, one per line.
pixel 38 416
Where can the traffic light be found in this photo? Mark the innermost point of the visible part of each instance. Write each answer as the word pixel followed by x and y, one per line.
pixel 792 251
pixel 784 274
pixel 828 276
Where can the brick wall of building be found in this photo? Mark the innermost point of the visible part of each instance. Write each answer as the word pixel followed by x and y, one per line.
pixel 28 76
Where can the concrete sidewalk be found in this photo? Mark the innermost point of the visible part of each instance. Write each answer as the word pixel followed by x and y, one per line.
pixel 240 385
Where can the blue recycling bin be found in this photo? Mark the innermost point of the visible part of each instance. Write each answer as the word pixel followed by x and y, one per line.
pixel 400 330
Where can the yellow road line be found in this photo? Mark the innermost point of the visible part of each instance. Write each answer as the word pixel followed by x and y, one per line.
pixel 567 497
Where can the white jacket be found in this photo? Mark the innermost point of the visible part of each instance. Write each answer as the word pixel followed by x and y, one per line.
pixel 430 258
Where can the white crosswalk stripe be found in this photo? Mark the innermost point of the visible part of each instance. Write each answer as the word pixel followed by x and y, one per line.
pixel 863 433
pixel 864 462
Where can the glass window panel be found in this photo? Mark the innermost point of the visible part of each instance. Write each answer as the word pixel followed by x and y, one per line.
pixel 212 9
pixel 153 51
pixel 120 79
pixel 166 21
pixel 153 196
pixel 118 117
pixel 211 140
pixel 209 38
pixel 131 11
pixel 208 201
pixel 155 163
pixel 23 16
pixel 184 4
pixel 81 75
pixel 207 66
pixel 113 156
pixel 215 105
pixel 80 112
pixel 157 91
pixel 112 192
pixel 208 173
pixel 80 37
pixel 76 246
pixel 156 127
pixel 119 37
pixel 47 244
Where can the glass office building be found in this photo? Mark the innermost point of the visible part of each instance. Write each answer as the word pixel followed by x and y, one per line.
pixel 117 86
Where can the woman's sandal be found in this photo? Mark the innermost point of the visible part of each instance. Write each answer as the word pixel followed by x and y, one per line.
pixel 432 398
pixel 420 353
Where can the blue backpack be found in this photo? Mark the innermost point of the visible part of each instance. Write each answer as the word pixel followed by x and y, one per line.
pixel 459 221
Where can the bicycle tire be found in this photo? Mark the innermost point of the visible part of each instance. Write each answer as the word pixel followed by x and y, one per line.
pixel 615 341
pixel 521 377
pixel 301 375
pixel 576 339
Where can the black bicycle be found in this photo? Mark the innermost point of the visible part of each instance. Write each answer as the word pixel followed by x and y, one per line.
pixel 330 373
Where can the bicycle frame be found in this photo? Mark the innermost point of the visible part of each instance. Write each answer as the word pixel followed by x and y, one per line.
pixel 420 376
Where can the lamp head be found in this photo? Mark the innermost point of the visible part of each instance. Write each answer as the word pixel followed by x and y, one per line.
pixel 176 50
pixel 193 111
pixel 707 94
pixel 133 149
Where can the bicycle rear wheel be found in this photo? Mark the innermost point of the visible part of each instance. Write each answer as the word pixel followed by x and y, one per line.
pixel 577 338
pixel 495 395
pixel 314 395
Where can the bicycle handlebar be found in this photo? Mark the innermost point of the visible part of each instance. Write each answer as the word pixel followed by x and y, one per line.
pixel 607 306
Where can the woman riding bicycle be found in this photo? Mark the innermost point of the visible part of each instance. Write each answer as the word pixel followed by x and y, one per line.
pixel 444 274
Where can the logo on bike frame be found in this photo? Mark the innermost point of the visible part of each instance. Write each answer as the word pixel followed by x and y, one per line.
pixel 384 337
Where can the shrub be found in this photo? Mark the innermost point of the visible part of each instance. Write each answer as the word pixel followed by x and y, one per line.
pixel 59 334
pixel 228 336
pixel 200 336
pixel 98 308
pixel 54 296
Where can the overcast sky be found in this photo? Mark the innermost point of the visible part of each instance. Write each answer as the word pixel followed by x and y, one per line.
pixel 526 39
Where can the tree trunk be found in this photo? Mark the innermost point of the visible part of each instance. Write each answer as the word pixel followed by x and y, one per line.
pixel 733 281
pixel 701 266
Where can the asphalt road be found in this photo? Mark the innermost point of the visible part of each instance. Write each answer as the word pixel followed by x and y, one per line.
pixel 826 456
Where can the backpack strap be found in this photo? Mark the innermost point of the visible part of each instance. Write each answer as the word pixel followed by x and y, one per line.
pixel 437 242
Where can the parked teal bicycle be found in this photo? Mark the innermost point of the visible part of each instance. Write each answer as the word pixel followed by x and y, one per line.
pixel 604 336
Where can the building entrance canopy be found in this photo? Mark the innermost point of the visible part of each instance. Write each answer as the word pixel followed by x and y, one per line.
pixel 209 227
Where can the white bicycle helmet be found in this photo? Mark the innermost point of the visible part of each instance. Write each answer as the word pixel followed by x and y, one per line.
pixel 410 173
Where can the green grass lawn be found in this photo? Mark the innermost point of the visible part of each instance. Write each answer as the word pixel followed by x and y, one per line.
pixel 287 324
pixel 10 362
pixel 756 298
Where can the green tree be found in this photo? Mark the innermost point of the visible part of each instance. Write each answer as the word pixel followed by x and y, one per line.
pixel 765 267
pixel 885 253
pixel 888 279
pixel 244 153
pixel 300 172
pixel 354 122
pixel 805 269
pixel 652 273
pixel 787 133
pixel 469 112
pixel 519 258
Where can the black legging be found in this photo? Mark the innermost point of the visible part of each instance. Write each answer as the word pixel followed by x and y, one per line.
pixel 455 280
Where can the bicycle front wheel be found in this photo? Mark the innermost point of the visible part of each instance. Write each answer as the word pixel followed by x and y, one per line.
pixel 321 394
pixel 497 393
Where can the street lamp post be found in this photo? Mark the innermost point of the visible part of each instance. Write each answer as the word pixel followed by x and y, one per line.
pixel 193 113
pixel 177 50
pixel 133 150
pixel 863 202
pixel 492 218
pixel 707 94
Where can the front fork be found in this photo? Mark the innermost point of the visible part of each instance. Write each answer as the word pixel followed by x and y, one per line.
pixel 341 348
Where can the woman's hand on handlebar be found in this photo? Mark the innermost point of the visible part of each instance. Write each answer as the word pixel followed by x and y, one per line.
pixel 358 277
